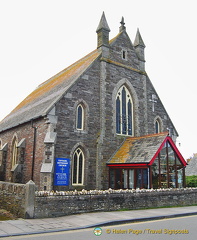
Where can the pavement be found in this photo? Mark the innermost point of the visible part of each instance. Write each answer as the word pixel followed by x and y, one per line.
pixel 87 220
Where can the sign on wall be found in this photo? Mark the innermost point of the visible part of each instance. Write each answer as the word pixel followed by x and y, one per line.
pixel 62 169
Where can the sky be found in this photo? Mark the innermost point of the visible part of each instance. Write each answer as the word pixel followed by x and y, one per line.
pixel 39 38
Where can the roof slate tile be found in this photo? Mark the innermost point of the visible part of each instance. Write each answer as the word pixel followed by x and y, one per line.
pixel 138 149
pixel 40 101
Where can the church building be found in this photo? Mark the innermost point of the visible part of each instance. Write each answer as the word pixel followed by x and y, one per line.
pixel 97 124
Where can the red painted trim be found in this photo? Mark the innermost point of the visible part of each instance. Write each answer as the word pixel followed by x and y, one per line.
pixel 158 151
pixel 181 158
pixel 128 165
pixel 169 139
pixel 145 165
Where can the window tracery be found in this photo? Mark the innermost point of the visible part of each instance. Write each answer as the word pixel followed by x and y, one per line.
pixel 78 167
pixel 124 112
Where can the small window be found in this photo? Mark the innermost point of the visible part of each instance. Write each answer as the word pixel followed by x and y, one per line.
pixel 157 127
pixel 124 54
pixel 80 117
pixel 14 152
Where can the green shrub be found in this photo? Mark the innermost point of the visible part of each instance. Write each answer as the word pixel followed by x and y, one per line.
pixel 191 181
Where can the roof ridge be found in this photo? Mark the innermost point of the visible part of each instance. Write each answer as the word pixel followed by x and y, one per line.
pixel 150 135
pixel 40 101
pixel 55 80
pixel 67 68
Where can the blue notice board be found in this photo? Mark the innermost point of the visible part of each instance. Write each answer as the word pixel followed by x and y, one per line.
pixel 62 169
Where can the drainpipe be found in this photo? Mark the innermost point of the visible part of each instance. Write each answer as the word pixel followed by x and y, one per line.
pixel 34 150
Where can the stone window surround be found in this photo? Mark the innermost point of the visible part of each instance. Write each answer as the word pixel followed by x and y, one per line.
pixel 81 102
pixel 160 123
pixel 133 93
pixel 86 153
pixel 14 153
pixel 127 101
pixel 80 119
pixel 78 153
pixel 124 54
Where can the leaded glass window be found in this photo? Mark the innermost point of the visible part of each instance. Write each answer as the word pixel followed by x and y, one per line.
pixel 124 112
pixel 118 122
pixel 157 127
pixel 78 167
pixel 80 117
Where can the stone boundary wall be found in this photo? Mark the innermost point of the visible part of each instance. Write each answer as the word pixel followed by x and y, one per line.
pixel 24 202
pixel 18 198
pixel 54 206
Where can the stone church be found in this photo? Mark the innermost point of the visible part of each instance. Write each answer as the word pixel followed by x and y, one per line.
pixel 97 124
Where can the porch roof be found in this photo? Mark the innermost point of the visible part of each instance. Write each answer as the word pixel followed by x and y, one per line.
pixel 142 150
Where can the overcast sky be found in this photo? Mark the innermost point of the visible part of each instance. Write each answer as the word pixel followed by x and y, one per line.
pixel 39 38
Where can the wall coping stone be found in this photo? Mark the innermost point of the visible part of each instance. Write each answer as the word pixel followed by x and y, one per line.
pixel 109 191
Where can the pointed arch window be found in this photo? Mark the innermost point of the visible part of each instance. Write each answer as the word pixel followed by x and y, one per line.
pixel 14 152
pixel 80 117
pixel 157 126
pixel 124 112
pixel 78 167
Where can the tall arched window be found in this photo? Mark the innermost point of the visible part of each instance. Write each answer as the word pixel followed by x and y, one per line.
pixel 80 117
pixel 14 152
pixel 78 167
pixel 124 112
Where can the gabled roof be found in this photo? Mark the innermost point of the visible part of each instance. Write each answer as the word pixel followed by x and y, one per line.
pixel 41 100
pixel 142 150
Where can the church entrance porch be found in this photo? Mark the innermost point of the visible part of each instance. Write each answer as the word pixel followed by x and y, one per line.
pixel 167 169
pixel 151 161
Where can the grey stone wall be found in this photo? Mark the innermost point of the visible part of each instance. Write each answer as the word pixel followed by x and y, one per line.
pixel 24 202
pixel 54 206
pixel 86 91
pixel 97 89
pixel 18 198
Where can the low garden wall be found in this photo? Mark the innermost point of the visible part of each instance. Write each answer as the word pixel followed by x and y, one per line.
pixel 17 198
pixel 25 202
pixel 52 204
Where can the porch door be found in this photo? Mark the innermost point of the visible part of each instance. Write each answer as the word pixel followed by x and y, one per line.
pixel 121 178
pixel 116 178
pixel 129 178
pixel 142 178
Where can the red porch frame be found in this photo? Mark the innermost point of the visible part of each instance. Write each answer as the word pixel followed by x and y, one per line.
pixel 148 166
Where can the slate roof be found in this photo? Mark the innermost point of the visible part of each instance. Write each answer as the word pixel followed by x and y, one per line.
pixel 191 168
pixel 42 99
pixel 138 149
